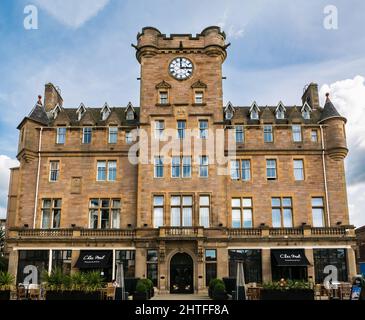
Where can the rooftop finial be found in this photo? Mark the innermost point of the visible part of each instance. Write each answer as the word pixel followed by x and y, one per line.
pixel 327 95
pixel 39 102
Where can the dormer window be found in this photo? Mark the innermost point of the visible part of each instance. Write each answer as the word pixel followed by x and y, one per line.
pixel 80 111
pixel 229 115
pixel 199 97
pixel 105 112
pixel 130 115
pixel 130 112
pixel 306 111
pixel 280 112
pixel 254 112
pixel 56 111
pixel 229 111
pixel 164 97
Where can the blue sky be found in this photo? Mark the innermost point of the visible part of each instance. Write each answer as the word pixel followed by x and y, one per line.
pixel 84 47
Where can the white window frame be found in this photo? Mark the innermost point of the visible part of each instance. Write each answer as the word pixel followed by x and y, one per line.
pixel 240 132
pixel 113 132
pixel 268 132
pixel 199 97
pixel 297 133
pixel 298 169
pixel 84 135
pixel 158 222
pixel 51 170
pixel 58 135
pixel 204 221
pixel 157 165
pixel 270 166
pixel 159 129
pixel 203 129
pixel 203 165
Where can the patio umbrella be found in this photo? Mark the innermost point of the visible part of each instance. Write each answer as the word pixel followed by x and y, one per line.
pixel 120 278
pixel 240 279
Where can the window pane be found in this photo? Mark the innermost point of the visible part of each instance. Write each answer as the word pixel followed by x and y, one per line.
pixel 105 219
pixel 175 217
pixel 298 170
pixel 175 169
pixel 158 201
pixel 187 201
pixel 47 203
pixel 175 201
pixel 288 218
pixel 112 168
pixel 158 217
pixel 297 133
pixel 239 134
pixel 318 217
pixel 204 217
pixel 101 170
pixel 94 203
pixel 268 133
pixel 276 218
pixel 116 203
pixel 93 219
pixel 186 167
pixel 236 218
pixel 187 217
pixel 46 219
pixel 56 218
pixel 236 203
pixel 287 202
pixel 116 218
pixel 247 202
pixel 276 202
pixel 204 200
pixel 317 202
pixel 57 203
pixel 247 218
pixel 235 170
pixel 105 203
pixel 210 255
pixel 246 170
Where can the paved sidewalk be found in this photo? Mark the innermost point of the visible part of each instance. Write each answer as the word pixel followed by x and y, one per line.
pixel 181 297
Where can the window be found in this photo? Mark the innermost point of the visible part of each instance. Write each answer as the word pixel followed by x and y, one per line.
pixel 152 266
pixel 61 260
pixel 130 115
pixel 159 129
pixel 246 170
pixel 104 213
pixel 61 135
pixel 204 211
pixel 113 135
pixel 186 167
pixel 129 137
pixel 271 169
pixel 254 114
pixel 330 257
pixel 158 167
pixel 181 211
pixel 54 171
pixel 106 169
pixel 37 258
pixel 164 97
pixel 298 170
pixel 112 170
pixel 203 167
pixel 158 209
pixel 199 97
pixel 86 135
pixel 242 213
pixel 203 129
pixel 297 133
pixel 51 213
pixel 314 136
pixel 282 213
pixel 268 133
pixel 181 126
pixel 210 265
pixel 235 169
pixel 318 213
pixel 175 167
pixel 306 114
pixel 280 113
pixel 239 134
pixel 252 264
pixel 229 115
pixel 105 114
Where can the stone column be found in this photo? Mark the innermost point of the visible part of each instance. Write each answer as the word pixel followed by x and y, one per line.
pixel 141 271
pixel 13 262
pixel 266 265
pixel 351 263
pixel 310 257
pixel 222 263
pixel 74 257
pixel 162 270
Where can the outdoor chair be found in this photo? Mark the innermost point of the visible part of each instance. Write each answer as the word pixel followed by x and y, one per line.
pixel 253 293
pixel 34 292
pixel 110 293
pixel 21 292
pixel 345 291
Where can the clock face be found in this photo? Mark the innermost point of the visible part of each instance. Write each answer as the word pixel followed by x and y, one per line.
pixel 181 68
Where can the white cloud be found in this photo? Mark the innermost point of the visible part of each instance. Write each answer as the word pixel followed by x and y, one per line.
pixel 348 96
pixel 72 13
pixel 5 164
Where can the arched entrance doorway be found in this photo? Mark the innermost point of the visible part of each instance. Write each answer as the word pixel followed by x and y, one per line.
pixel 182 274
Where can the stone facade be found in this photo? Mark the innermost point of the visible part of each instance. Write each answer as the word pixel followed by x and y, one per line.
pixel 136 185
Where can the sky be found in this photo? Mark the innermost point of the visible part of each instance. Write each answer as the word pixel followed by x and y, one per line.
pixel 84 47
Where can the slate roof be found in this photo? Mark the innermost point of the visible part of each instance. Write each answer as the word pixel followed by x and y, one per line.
pixel 39 114
pixel 329 111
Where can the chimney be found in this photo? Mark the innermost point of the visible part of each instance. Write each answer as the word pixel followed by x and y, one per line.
pixel 52 97
pixel 311 95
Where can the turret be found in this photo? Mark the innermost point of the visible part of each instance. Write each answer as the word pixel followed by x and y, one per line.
pixel 334 128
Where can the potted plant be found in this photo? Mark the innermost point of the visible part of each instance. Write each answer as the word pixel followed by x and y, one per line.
pixel 212 284
pixel 149 285
pixel 287 290
pixel 219 291
pixel 141 293
pixel 6 285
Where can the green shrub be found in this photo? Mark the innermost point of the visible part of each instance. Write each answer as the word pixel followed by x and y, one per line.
pixel 288 285
pixel 94 281
pixel 214 282
pixel 78 281
pixel 56 280
pixel 6 281
pixel 141 287
pixel 219 289
pixel 148 283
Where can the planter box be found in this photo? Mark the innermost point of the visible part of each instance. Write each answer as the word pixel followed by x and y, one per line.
pixel 301 295
pixel 72 295
pixel 140 296
pixel 5 295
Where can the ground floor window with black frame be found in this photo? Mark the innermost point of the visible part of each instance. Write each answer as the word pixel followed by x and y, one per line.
pixel 330 257
pixel 128 259
pixel 61 260
pixel 31 266
pixel 210 265
pixel 251 263
pixel 152 266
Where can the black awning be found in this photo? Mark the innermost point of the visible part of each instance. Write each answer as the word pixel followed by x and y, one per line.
pixel 94 260
pixel 289 258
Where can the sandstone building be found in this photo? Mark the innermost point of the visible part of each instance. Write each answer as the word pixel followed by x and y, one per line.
pixel 77 201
